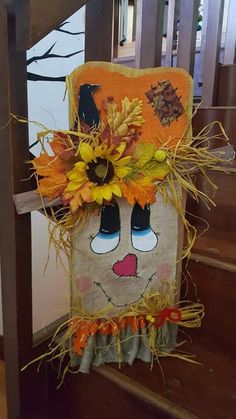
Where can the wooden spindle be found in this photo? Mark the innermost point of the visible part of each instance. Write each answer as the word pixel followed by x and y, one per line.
pixel 134 21
pixel 187 35
pixel 15 231
pixel 149 30
pixel 203 37
pixel 116 29
pixel 212 50
pixel 170 32
pixel 230 40
pixel 99 31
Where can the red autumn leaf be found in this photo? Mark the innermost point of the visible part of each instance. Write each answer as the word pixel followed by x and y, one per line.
pixel 61 147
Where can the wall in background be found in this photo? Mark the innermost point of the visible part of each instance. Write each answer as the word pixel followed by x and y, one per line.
pixel 49 61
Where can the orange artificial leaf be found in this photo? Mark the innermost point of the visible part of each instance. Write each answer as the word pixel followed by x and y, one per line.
pixel 138 191
pixel 79 196
pixel 46 165
pixel 58 145
pixel 52 186
pixel 43 164
pixel 54 177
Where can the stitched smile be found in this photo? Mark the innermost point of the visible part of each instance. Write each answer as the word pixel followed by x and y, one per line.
pixel 110 299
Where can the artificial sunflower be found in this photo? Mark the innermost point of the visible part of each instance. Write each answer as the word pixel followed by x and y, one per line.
pixel 102 168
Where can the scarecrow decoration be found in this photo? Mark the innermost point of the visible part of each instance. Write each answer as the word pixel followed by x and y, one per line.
pixel 119 177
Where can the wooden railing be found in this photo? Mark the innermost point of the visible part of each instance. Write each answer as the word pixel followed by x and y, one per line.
pixel 148 35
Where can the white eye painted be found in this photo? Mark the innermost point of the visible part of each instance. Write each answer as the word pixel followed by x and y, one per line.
pixel 145 240
pixel 105 243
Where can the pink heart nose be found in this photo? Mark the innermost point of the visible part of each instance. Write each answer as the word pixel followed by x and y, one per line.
pixel 126 266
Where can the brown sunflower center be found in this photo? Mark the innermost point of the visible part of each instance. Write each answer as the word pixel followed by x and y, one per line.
pixel 101 171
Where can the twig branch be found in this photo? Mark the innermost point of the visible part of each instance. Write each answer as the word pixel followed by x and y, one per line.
pixel 38 77
pixel 68 32
pixel 47 55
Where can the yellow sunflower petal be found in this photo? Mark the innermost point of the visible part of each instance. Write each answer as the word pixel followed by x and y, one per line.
pixel 86 152
pixel 119 151
pixel 121 148
pixel 72 186
pixel 116 189
pixel 77 177
pixel 98 152
pixel 106 192
pixel 123 161
pixel 97 196
pixel 94 193
pixel 122 171
pixel 80 166
pixel 106 151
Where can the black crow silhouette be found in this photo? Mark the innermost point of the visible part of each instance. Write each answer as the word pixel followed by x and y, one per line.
pixel 87 112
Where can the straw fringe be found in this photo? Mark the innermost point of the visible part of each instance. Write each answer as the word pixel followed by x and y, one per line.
pixel 152 305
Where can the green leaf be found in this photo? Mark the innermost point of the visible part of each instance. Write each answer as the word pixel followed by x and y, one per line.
pixel 144 154
pixel 156 170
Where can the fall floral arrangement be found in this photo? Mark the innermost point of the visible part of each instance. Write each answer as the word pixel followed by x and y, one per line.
pixel 108 162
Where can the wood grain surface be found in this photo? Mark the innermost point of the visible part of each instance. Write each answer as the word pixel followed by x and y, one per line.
pixel 36 18
pixel 3 403
pixel 99 30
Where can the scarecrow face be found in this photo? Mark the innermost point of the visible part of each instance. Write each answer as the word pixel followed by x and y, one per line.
pixel 124 252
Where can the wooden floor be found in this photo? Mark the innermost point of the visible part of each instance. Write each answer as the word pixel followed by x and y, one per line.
pixel 3 411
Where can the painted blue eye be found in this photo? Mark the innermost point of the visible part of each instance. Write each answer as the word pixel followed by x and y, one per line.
pixel 108 236
pixel 142 236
